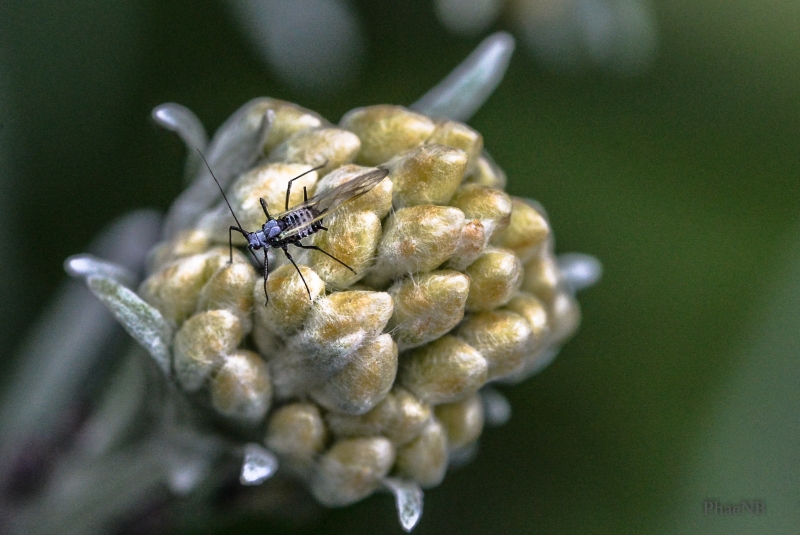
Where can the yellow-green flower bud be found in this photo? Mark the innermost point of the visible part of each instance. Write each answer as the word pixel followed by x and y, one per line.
pixel 494 279
pixel 424 459
pixel 399 417
pixel 462 421
pixel 428 174
pixel 443 371
pixel 317 145
pixel 470 245
pixel 377 200
pixel 241 388
pixel 364 381
pixel 459 136
pixel 289 303
pixel 288 119
pixel 184 243
pixel 386 131
pixel 486 173
pixel 351 470
pixel 526 232
pixel 501 336
pixel 338 324
pixel 490 205
pixel 427 306
pixel 230 288
pixel 297 434
pixel 533 310
pixel 201 344
pixel 175 288
pixel 565 317
pixel 419 238
pixel 352 237
pixel 542 278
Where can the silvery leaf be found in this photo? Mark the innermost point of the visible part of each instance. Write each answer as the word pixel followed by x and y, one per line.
pixel 143 322
pixel 464 90
pixel 408 499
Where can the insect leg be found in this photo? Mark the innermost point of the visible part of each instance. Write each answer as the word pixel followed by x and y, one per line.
pixel 264 207
pixel 266 274
pixel 286 252
pixel 289 185
pixel 323 251
pixel 230 240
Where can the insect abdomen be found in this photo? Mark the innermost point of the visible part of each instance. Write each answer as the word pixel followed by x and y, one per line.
pixel 300 219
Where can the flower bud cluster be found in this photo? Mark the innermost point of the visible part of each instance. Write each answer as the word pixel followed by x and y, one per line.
pixel 351 376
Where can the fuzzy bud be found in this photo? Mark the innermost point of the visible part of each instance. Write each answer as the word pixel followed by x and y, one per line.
pixel 351 470
pixel 501 336
pixel 419 238
pixel 428 174
pixel 364 381
pixel 462 421
pixel 315 146
pixel 459 136
pixel 526 232
pixel 377 200
pixel 386 131
pixel 297 434
pixel 201 344
pixel 289 303
pixel 494 279
pixel 241 388
pixel 352 237
pixel 443 371
pixel 427 306
pixel 424 459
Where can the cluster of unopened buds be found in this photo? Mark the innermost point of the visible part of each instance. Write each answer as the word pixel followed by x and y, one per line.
pixel 371 363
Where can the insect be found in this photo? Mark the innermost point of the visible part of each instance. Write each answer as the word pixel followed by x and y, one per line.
pixel 303 220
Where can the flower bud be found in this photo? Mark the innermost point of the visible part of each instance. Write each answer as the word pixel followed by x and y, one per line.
pixel 533 310
pixel 424 459
pixel 297 434
pixel 201 344
pixel 459 136
pixel 352 238
pixel 288 119
pixel 386 131
pixel 566 316
pixel 501 336
pixel 470 245
pixel 491 206
pixel 230 288
pixel 184 243
pixel 427 306
pixel 542 278
pixel 315 146
pixel 175 288
pixel 494 279
pixel 462 421
pixel 338 324
pixel 289 303
pixel 364 381
pixel 351 470
pixel 399 416
pixel 443 371
pixel 526 232
pixel 377 200
pixel 486 173
pixel 241 389
pixel 419 238
pixel 428 174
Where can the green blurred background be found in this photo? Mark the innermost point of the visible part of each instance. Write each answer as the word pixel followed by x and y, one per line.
pixel 683 383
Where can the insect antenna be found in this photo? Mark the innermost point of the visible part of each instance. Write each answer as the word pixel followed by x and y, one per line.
pixel 221 191
pixel 238 226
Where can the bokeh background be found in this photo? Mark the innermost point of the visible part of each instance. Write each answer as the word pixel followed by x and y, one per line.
pixel 666 146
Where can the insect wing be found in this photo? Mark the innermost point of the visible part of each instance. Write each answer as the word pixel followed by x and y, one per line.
pixel 326 202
